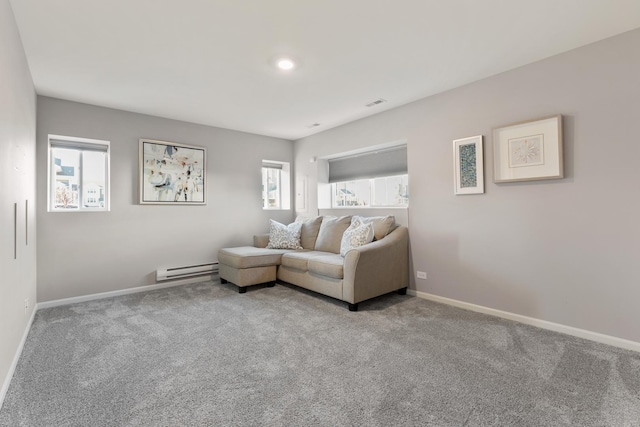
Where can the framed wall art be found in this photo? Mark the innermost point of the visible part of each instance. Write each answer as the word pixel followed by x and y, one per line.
pixel 468 161
pixel 172 173
pixel 528 151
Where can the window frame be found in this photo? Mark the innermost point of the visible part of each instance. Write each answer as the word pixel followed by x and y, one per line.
pixel 284 185
pixel 82 145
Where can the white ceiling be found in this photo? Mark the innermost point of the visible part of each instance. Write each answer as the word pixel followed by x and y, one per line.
pixel 208 61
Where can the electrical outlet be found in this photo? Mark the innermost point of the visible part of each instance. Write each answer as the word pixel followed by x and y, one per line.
pixel 421 275
pixel 26 305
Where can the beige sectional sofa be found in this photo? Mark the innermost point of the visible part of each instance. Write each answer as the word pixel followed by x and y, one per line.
pixel 364 272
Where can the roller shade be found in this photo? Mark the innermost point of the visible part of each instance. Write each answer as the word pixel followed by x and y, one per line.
pixel 387 162
pixel 78 145
pixel 270 165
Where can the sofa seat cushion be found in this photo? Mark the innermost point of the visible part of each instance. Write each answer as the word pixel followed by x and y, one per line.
pixel 300 260
pixel 249 257
pixel 327 265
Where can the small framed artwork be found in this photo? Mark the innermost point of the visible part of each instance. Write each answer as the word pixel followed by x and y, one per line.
pixel 468 161
pixel 172 173
pixel 528 151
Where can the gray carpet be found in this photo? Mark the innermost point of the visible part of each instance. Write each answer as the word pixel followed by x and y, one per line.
pixel 204 355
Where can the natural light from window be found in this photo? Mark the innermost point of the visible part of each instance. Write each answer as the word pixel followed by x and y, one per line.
pixel 390 191
pixel 276 185
pixel 78 174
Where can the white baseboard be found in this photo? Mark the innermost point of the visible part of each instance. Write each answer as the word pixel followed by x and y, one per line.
pixel 16 357
pixel 83 298
pixel 556 327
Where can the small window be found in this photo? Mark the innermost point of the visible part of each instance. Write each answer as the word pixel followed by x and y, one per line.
pixel 276 192
pixel 388 191
pixel 78 174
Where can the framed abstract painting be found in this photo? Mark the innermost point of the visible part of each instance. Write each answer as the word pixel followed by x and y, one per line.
pixel 172 173
pixel 468 165
pixel 528 151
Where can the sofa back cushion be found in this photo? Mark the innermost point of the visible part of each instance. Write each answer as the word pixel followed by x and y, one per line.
pixel 382 225
pixel 330 234
pixel 309 231
pixel 260 240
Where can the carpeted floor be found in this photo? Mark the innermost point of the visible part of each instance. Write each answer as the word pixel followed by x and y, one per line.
pixel 204 355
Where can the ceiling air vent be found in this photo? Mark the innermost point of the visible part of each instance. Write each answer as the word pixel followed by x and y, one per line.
pixel 376 102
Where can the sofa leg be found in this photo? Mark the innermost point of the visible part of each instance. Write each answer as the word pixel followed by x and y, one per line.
pixel 223 281
pixel 353 307
pixel 242 289
pixel 271 284
pixel 402 291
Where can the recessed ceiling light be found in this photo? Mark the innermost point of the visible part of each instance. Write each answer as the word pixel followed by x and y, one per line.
pixel 285 62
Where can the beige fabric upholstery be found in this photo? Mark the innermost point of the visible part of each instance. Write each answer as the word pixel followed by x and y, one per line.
pixel 382 225
pixel 299 260
pixel 331 266
pixel 248 256
pixel 330 234
pixel 309 234
pixel 377 268
pixel 322 284
pixel 365 272
pixel 242 277
pixel 261 240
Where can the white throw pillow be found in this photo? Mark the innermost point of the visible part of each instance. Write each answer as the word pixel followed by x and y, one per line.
pixel 382 225
pixel 284 236
pixel 356 235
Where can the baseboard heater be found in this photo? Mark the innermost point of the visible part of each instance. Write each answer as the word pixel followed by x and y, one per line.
pixel 186 271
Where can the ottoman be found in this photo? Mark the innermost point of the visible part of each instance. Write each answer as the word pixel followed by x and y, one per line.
pixel 247 265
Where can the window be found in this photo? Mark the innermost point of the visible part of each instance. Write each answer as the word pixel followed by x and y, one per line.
pixel 389 191
pixel 374 178
pixel 78 174
pixel 276 192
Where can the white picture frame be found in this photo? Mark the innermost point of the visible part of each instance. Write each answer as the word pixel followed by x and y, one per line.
pixel 528 151
pixel 468 165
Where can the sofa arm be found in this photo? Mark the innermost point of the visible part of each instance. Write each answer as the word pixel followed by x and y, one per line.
pixel 377 268
pixel 261 240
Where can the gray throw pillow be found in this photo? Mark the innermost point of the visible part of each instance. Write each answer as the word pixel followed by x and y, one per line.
pixel 330 234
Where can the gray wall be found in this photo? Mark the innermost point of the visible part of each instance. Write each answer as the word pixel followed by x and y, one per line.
pixel 17 185
pixel 82 253
pixel 564 251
